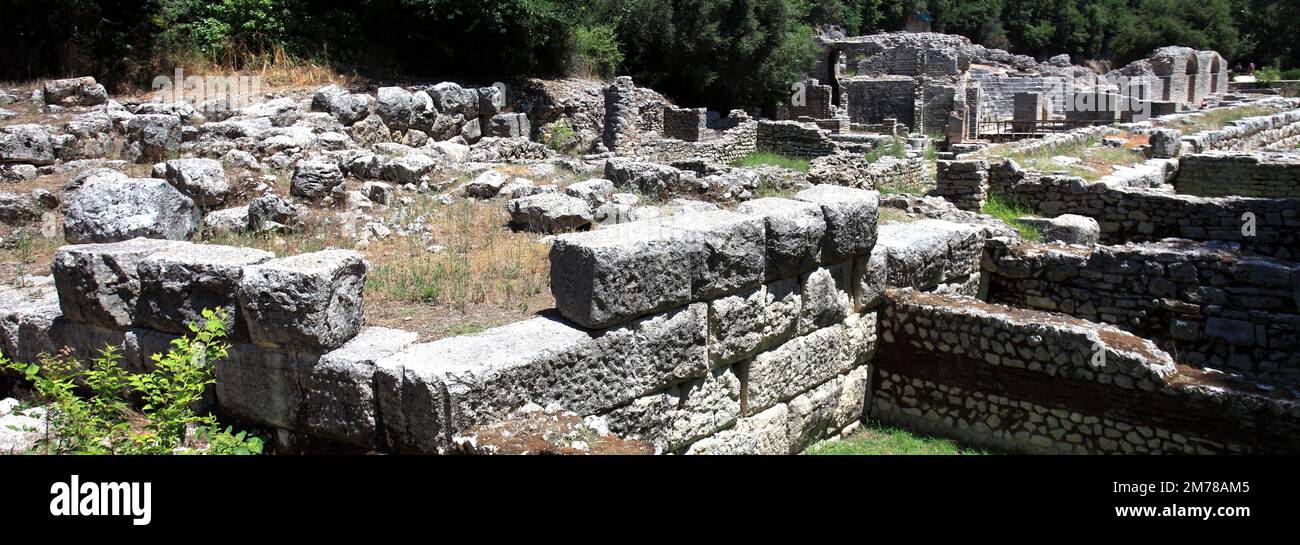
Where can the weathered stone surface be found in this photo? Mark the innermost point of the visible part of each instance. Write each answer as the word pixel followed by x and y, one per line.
pixel 923 254
pixel 683 414
pixel 591 273
pixel 432 390
pixel 309 301
pixel 29 144
pixel 107 209
pixel 869 278
pixel 850 215
pixel 855 392
pixel 151 138
pixel 315 178
pixel 177 285
pixel 226 220
pixel 202 180
pixel 1066 228
pixel 810 416
pixel 1166 143
pixel 408 169
pixel 264 385
pixel 508 125
pixel 648 178
pixel 549 213
pixel 795 367
pixel 18 209
pixel 270 213
pixel 452 99
pixel 339 399
pixel 731 250
pixel 395 106
pixel 794 234
pixel 486 185
pixel 782 306
pixel 99 284
pixel 20 433
pixel 27 315
pixel 17 173
pixel 826 297
pixel 860 340
pixel 737 325
pixel 595 191
pixel 82 91
pixel 762 434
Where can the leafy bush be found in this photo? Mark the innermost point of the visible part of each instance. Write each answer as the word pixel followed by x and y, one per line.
pixel 595 50
pixel 102 421
pixel 1268 74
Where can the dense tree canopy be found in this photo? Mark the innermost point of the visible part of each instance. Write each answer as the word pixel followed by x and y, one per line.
pixel 723 53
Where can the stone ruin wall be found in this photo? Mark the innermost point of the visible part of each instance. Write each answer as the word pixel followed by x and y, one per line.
pixel 1201 301
pixel 795 139
pixel 1025 381
pixel 1268 175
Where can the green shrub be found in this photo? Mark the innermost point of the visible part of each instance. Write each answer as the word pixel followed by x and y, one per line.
pixel 101 421
pixel 1268 74
pixel 561 137
pixel 595 50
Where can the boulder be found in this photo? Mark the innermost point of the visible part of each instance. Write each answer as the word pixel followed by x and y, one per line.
pixel 315 178
pixel 508 125
pixel 271 213
pixel 550 213
pixel 29 144
pixel 74 92
pixel 18 209
pixel 309 301
pixel 395 106
pixel 17 173
pixel 202 180
pixel 647 178
pixel 226 220
pixel 408 169
pixel 152 138
pixel 451 99
pixel 110 209
pixel 486 185
pixel 1166 143
pixel 595 191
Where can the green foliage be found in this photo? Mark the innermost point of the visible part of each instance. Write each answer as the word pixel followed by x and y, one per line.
pixel 100 421
pixel 1009 212
pixel 768 158
pixel 895 148
pixel 596 50
pixel 561 137
pixel 1268 74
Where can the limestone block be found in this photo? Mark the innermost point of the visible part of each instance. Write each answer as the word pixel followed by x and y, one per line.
pixel 310 301
pixel 177 285
pixel 850 215
pixel 99 284
pixel 731 250
pixel 683 414
pixel 794 234
pixel 762 434
pixel 737 325
pixel 792 368
pixel 869 275
pixel 826 297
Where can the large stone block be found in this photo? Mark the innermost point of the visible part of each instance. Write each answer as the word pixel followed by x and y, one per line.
pixel 608 276
pixel 737 325
pixel 731 246
pixel 151 138
pixel 27 314
pixel 683 414
pixel 782 307
pixel 765 433
pixel 850 215
pixel 29 144
pixel 858 346
pixel 795 367
pixel 926 253
pixel 794 234
pixel 99 284
pixel 309 301
pixel 108 209
pixel 177 285
pixel 202 180
pixel 869 275
pixel 855 391
pixel 339 399
pixel 433 390
pixel 264 385
pixel 810 416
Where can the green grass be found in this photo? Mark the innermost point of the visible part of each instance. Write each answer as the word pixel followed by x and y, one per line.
pixel 889 215
pixel 1218 119
pixel 1002 208
pixel 883 440
pixel 767 158
pixel 895 148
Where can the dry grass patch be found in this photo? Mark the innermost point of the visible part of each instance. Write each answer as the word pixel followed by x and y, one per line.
pixel 1216 119
pixel 1095 160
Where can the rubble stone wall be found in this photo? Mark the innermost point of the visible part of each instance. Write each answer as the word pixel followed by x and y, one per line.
pixel 1272 175
pixel 1034 382
pixel 1269 227
pixel 795 139
pixel 1202 301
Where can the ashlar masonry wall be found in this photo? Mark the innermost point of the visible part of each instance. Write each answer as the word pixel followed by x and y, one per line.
pixel 1258 174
